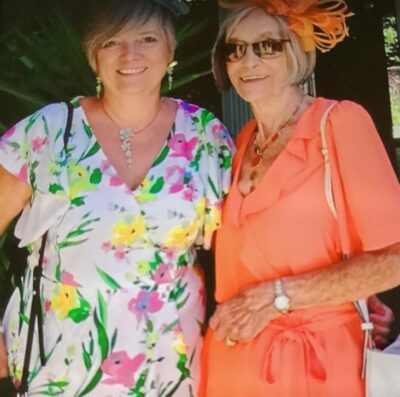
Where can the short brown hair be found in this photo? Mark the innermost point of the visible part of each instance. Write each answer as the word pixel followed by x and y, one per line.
pixel 301 64
pixel 117 14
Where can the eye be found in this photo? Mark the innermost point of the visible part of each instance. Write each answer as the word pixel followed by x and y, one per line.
pixel 148 40
pixel 234 51
pixel 110 44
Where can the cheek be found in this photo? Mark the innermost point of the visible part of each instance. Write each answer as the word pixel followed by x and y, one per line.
pixel 232 71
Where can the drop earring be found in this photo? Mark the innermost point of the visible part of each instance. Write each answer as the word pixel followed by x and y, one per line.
pixel 170 72
pixel 99 86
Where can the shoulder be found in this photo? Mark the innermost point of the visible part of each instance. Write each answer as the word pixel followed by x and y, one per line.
pixel 348 110
pixel 340 111
pixel 195 112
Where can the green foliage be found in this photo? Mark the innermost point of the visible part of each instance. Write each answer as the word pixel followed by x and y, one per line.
pixel 392 45
pixel 42 61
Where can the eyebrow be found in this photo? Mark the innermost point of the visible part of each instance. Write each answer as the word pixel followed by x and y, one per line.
pixel 263 35
pixel 149 32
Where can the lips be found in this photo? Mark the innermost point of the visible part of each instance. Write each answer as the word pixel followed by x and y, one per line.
pixel 253 78
pixel 131 71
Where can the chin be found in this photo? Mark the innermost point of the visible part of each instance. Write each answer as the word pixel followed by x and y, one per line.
pixel 252 97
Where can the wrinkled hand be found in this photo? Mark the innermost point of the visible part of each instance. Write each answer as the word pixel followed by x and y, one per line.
pixel 382 317
pixel 245 315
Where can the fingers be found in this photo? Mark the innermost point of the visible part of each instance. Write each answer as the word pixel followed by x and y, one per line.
pixel 375 305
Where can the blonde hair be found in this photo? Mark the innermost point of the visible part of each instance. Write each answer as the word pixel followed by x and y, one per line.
pixel 301 64
pixel 116 15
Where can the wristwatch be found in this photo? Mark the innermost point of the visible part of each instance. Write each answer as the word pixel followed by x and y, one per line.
pixel 281 300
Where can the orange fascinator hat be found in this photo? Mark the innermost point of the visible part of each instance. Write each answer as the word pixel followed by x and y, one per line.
pixel 318 23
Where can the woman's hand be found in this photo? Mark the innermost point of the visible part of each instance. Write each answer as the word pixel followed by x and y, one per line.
pixel 245 315
pixel 382 317
pixel 3 359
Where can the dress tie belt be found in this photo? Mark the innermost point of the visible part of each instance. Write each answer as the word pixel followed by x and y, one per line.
pixel 297 349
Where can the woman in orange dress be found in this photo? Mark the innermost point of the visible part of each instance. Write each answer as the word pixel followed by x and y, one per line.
pixel 285 325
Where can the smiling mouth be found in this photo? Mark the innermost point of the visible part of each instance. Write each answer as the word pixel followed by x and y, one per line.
pixel 253 78
pixel 131 71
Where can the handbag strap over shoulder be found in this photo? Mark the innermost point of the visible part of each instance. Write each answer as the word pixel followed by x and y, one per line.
pixel 360 305
pixel 36 312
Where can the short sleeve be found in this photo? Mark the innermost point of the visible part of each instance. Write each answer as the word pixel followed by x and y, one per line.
pixel 27 150
pixel 220 149
pixel 33 150
pixel 370 186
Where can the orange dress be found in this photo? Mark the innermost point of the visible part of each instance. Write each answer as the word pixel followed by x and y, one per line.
pixel 285 227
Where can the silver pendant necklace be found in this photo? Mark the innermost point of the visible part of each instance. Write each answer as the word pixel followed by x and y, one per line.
pixel 126 134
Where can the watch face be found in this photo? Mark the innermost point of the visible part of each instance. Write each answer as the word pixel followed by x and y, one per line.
pixel 282 303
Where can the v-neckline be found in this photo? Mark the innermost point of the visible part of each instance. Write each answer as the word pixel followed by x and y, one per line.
pixel 242 152
pixel 93 137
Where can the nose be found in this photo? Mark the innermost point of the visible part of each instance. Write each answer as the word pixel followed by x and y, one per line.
pixel 250 58
pixel 131 49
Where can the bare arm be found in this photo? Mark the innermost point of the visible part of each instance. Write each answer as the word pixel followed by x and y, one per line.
pixel 15 194
pixel 349 280
pixel 246 314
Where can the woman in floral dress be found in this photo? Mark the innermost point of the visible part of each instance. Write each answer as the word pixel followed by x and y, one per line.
pixel 138 185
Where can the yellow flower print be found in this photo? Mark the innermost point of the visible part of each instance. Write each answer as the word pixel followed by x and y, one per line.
pixel 17 375
pixel 151 341
pixel 213 220
pixel 201 208
pixel 179 236
pixel 54 168
pixel 145 194
pixel 79 181
pixel 66 300
pixel 126 233
pixel 24 150
pixel 143 267
pixel 179 344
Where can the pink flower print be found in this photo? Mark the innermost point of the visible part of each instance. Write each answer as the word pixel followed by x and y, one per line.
pixel 116 180
pixel 105 165
pixel 9 133
pixel 38 142
pixel 68 279
pixel 174 175
pixel 162 274
pixel 47 306
pixel 120 253
pixel 169 252
pixel 121 369
pixel 181 147
pixel 187 194
pixel 220 132
pixel 23 173
pixel 106 246
pixel 145 302
pixel 189 107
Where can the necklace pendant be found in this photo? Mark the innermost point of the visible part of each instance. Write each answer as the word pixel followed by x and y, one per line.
pixel 253 175
pixel 256 160
pixel 125 136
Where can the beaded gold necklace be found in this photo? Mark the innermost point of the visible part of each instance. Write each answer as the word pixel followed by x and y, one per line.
pixel 259 151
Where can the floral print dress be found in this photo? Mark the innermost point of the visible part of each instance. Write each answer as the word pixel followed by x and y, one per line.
pixel 123 301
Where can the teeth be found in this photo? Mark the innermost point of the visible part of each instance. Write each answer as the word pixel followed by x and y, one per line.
pixel 132 70
pixel 249 78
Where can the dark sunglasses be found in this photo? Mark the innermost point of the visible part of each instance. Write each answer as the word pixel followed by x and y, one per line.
pixel 264 49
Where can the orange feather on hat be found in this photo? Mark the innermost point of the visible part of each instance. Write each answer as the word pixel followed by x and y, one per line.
pixel 318 23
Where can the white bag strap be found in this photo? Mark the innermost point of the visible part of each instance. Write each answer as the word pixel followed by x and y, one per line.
pixel 361 305
pixel 325 154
